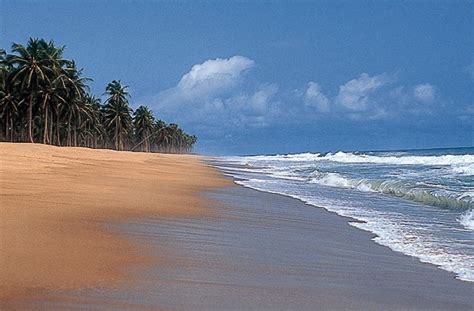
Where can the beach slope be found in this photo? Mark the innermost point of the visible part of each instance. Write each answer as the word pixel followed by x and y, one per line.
pixel 56 204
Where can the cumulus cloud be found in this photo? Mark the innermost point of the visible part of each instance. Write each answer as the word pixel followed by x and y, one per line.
pixel 424 93
pixel 252 108
pixel 314 97
pixel 216 96
pixel 206 80
pixel 261 99
pixel 355 94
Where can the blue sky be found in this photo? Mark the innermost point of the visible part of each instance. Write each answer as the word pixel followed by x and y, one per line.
pixel 276 77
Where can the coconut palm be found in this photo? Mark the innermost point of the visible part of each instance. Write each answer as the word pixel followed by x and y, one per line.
pixel 44 97
pixel 161 136
pixel 52 94
pixel 93 129
pixel 75 109
pixel 30 73
pixel 143 123
pixel 8 100
pixel 8 110
pixel 116 113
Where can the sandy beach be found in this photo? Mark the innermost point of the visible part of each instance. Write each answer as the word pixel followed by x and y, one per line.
pixel 237 155
pixel 111 230
pixel 56 203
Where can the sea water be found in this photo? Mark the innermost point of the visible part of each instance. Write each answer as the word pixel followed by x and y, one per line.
pixel 418 202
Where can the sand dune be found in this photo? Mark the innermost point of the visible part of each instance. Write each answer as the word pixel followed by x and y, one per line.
pixel 56 203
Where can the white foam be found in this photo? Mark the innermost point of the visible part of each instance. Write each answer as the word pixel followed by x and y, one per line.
pixel 299 157
pixel 347 157
pixel 467 219
pixel 337 180
pixel 397 234
pixel 286 175
pixel 401 160
pixel 425 248
pixel 440 198
pixel 333 180
pixel 467 169
pixel 444 185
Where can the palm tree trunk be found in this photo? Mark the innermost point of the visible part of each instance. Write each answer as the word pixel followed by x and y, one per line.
pixel 78 121
pixel 68 142
pixel 50 135
pixel 45 129
pixel 12 127
pixel 6 127
pixel 116 137
pixel 57 130
pixel 75 135
pixel 30 120
pixel 147 142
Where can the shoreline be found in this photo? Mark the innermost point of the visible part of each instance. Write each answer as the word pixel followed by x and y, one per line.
pixel 402 224
pixel 175 232
pixel 267 251
pixel 349 220
pixel 57 203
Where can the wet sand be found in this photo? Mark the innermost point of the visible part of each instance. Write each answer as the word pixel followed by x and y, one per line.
pixel 56 205
pixel 269 252
pixel 235 249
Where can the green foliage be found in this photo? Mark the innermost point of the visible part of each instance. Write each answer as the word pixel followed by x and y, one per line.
pixel 44 98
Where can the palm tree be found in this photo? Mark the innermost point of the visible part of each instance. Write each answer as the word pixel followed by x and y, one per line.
pixel 143 123
pixel 160 137
pixel 117 113
pixel 44 96
pixel 8 101
pixel 31 69
pixel 93 125
pixel 8 109
pixel 52 93
pixel 192 140
pixel 75 109
pixel 174 133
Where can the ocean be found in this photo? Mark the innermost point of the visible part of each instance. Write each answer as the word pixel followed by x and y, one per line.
pixel 417 202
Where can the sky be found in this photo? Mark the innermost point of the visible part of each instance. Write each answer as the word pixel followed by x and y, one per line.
pixel 275 76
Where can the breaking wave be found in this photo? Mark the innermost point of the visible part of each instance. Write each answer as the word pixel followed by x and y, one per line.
pixel 405 190
pixel 462 164
pixel 418 202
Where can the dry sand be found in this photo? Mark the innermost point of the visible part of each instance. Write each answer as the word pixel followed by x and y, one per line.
pixel 76 223
pixel 55 204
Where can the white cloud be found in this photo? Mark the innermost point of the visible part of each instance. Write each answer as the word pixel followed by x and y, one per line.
pixel 355 94
pixel 216 96
pixel 315 98
pixel 260 100
pixel 210 95
pixel 205 81
pixel 254 109
pixel 424 92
